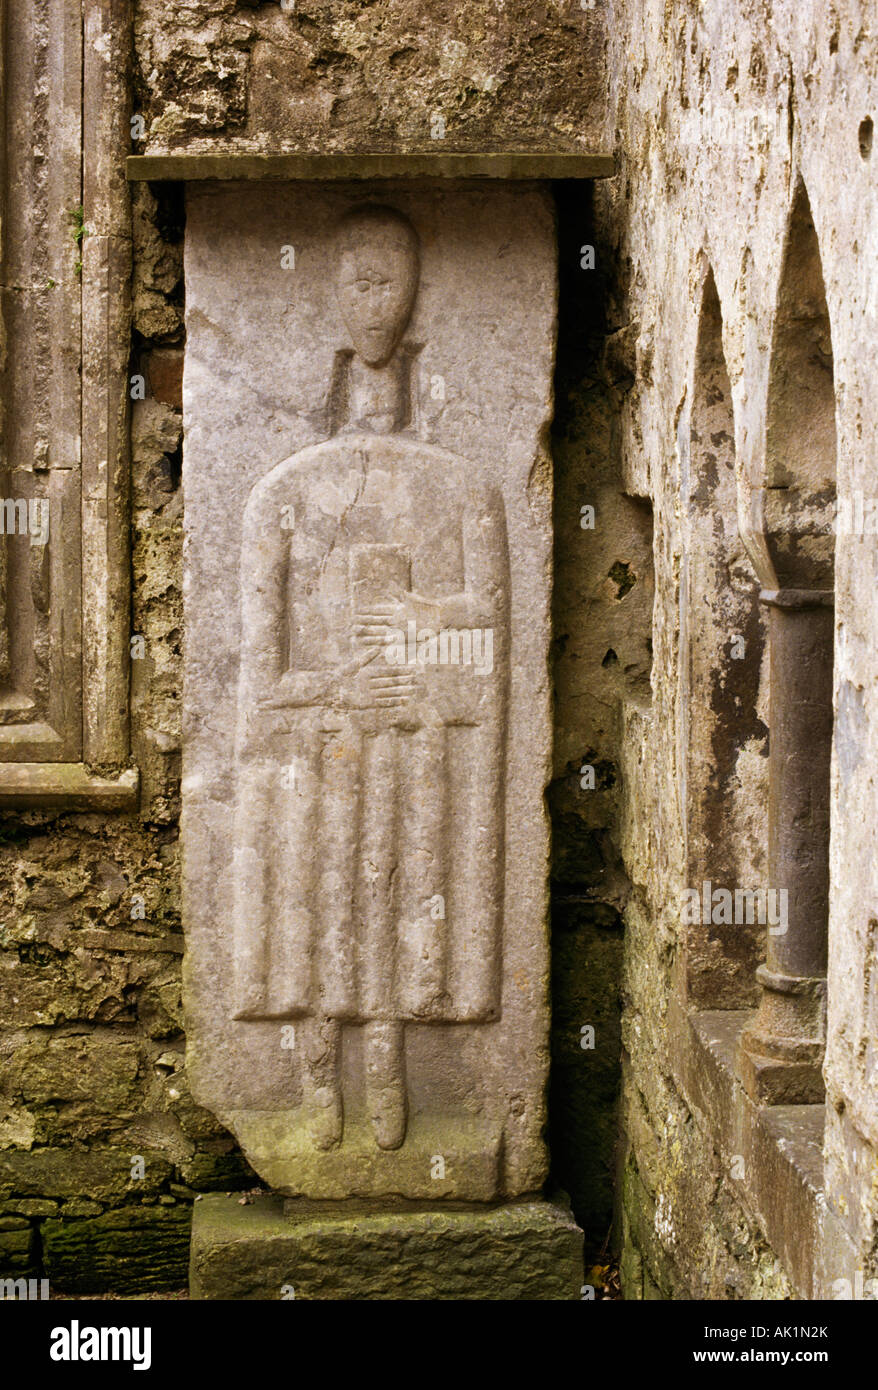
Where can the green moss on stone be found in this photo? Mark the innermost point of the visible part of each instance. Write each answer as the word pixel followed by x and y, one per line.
pixel 17 1252
pixel 131 1251
pixel 521 1251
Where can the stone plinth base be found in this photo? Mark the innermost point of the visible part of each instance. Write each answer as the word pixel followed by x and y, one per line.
pixel 336 1250
pixel 771 1081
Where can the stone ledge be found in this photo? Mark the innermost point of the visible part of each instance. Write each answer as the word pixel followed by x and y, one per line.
pixel 68 786
pixel 780 1146
pixel 519 1252
pixel 232 165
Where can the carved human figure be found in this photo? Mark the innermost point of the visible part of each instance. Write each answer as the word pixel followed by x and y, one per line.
pixel 370 763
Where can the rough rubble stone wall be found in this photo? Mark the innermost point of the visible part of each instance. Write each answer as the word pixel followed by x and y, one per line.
pixel 603 599
pixel 719 105
pixel 91 1031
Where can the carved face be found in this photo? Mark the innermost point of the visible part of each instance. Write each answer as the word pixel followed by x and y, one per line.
pixel 377 283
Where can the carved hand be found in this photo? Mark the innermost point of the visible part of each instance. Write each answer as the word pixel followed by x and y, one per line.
pixel 391 614
pixel 368 682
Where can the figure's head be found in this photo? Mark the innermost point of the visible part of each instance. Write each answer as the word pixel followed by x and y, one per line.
pixel 377 281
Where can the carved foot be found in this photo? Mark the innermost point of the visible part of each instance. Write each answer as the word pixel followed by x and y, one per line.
pixel 326 1117
pixel 385 1083
pixel 389 1119
pixel 324 1113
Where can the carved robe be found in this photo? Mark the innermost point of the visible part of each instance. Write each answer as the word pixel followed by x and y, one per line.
pixel 369 841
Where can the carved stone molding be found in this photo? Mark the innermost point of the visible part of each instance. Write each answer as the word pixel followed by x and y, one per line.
pixel 65 259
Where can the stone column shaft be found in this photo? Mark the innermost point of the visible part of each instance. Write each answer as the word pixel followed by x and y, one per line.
pixel 782 1050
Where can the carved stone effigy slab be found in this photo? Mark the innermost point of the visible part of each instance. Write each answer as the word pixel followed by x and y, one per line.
pixel 368 543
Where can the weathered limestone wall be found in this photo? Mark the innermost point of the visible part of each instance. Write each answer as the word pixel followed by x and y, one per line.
pixel 719 108
pixel 91 1035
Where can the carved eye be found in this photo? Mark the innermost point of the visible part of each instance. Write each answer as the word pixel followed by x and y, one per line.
pixel 364 286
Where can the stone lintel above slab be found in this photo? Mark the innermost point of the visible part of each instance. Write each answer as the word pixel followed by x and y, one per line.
pixel 512 166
